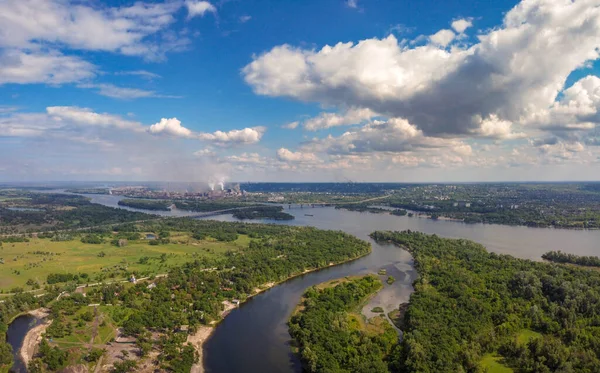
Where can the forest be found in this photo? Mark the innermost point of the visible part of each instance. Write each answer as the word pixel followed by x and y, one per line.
pixel 146 204
pixel 331 336
pixel 472 310
pixel 560 257
pixel 263 212
pixel 193 293
pixel 35 212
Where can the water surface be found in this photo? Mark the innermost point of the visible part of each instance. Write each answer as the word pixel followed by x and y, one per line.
pixel 16 334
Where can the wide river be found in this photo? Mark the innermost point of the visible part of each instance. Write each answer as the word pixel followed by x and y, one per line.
pixel 254 337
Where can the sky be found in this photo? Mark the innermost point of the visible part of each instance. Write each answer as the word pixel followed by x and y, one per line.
pixel 311 90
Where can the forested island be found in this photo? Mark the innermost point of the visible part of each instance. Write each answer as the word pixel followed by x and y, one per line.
pixel 263 212
pixel 146 204
pixel 225 263
pixel 330 334
pixel 473 310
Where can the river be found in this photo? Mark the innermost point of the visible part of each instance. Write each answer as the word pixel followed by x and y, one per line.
pixel 16 334
pixel 254 337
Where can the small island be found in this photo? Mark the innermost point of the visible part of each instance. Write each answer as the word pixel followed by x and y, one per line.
pixel 263 212
pixel 329 317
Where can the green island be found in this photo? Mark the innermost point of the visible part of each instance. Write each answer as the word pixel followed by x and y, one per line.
pixel 263 212
pixel 475 311
pixel 331 335
pixel 105 314
pixel 146 204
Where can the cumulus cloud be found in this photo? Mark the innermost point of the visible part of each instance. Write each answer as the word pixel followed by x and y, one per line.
pixel 442 37
pixel 286 155
pixel 577 109
pixel 171 127
pixel 234 137
pixel 461 25
pixel 512 71
pixel 352 4
pixel 395 135
pixel 328 120
pixel 199 8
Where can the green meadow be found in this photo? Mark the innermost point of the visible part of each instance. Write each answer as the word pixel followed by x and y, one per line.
pixel 36 259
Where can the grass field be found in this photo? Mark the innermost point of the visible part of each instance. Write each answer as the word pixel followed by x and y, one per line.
pixel 21 263
pixel 493 364
pixel 527 335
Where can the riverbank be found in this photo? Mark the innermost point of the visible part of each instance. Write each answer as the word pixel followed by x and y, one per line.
pixel 204 333
pixel 34 335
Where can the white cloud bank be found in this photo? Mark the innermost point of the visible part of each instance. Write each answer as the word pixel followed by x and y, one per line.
pixel 512 71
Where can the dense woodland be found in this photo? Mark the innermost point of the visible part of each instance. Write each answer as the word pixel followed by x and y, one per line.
pixel 57 211
pixel 192 294
pixel 330 339
pixel 208 206
pixel 470 304
pixel 146 204
pixel 263 212
pixel 560 257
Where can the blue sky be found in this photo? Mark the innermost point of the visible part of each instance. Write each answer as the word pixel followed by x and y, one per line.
pixel 191 90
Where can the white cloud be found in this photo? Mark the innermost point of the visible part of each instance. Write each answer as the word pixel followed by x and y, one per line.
pixel 170 127
pixel 245 18
pixel 124 93
pixel 578 108
pixel 50 67
pixel 291 125
pixel 142 73
pixel 286 155
pixel 328 120
pixel 85 116
pixel 495 128
pixel 460 25
pixel 31 23
pixel 234 137
pixel 207 152
pixel 442 37
pixel 511 71
pixel 392 136
pixel 352 4
pixel 199 8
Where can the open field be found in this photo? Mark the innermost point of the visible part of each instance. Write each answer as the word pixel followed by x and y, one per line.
pixel 38 258
pixel 493 364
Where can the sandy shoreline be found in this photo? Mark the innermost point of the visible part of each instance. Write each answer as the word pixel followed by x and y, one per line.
pixel 34 336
